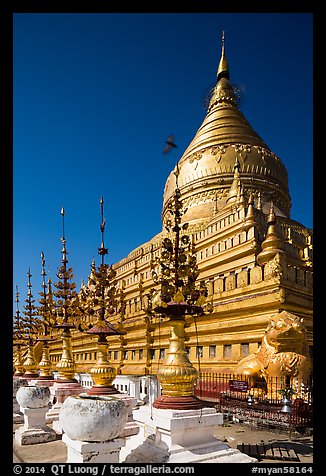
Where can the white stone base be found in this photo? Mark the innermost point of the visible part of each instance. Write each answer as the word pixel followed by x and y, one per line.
pixel 30 436
pixel 179 436
pixel 15 406
pixel 93 452
pixel 52 414
pixel 34 429
pixel 34 417
pixel 130 429
pixel 18 417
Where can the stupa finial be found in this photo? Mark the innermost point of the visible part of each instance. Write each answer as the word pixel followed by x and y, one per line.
pixel 223 67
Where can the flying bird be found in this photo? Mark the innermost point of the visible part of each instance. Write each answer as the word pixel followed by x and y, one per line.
pixel 169 144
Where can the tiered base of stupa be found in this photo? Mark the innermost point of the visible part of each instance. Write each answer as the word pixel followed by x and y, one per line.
pixel 179 436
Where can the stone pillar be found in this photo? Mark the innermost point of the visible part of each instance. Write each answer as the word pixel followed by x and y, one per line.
pixel 134 387
pixel 154 388
pixel 144 397
pixel 34 404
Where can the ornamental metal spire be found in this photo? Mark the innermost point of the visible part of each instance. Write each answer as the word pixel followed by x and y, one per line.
pixel 102 251
pixel 17 325
pixel 64 250
pixel 17 335
pixel 176 271
pixel 67 298
pixel 99 299
pixel 67 312
pixel 99 295
pixel 31 329
pixel 43 301
pixel 223 67
pixel 31 322
pixel 46 310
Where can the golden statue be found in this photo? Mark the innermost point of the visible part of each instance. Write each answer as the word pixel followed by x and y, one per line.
pixel 282 354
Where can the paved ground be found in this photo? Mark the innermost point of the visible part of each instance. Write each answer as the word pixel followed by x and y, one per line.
pixel 267 445
pixel 286 447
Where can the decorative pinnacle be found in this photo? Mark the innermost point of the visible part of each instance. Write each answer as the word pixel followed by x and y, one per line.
pixel 17 306
pixel 17 323
pixel 223 67
pixel 17 296
pixel 177 173
pixel 102 250
pixel 271 217
pixel 50 285
pixel 64 250
pixel 29 285
pixel 233 192
pixel 63 222
pixel 44 297
pixel 43 273
pixel 272 243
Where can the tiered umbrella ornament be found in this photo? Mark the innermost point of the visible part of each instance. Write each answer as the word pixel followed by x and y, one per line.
pixel 67 312
pixel 100 300
pixel 18 339
pixel 175 273
pixel 47 313
pixel 30 331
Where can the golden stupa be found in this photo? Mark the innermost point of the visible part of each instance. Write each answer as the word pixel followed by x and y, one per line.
pixel 224 138
pixel 253 258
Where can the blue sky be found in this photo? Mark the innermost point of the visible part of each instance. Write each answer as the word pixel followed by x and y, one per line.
pixel 96 96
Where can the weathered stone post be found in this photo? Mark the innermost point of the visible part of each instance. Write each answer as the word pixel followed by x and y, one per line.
pixel 34 404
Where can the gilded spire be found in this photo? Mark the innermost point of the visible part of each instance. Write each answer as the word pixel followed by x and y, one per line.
pixel 63 239
pixel 223 67
pixel 102 251
pixel 272 243
pixel 250 216
pixel 223 92
pixel 233 193
pixel 240 196
pixel 17 335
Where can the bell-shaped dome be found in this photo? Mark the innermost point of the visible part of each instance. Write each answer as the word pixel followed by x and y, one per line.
pixel 225 139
